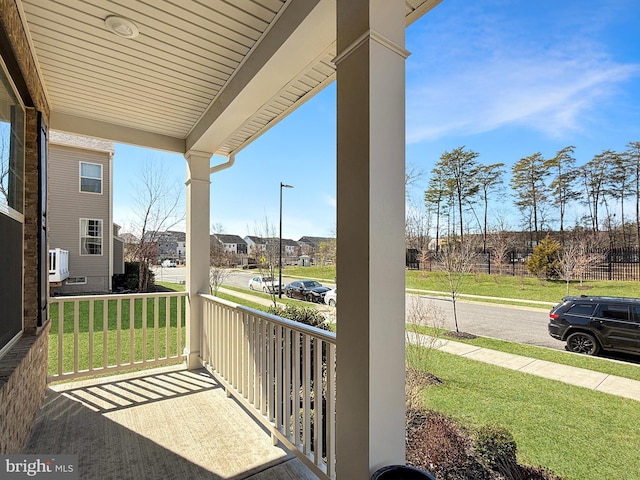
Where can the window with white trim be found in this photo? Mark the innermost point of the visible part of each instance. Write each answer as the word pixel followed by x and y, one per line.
pixel 90 177
pixel 76 281
pixel 90 237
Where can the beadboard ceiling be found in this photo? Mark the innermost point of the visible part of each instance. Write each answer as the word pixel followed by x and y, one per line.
pixel 206 75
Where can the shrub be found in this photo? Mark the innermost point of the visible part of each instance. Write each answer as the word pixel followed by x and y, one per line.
pixel 496 448
pixel 545 259
pixel 301 313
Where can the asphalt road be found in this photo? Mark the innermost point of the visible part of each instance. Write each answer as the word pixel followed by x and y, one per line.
pixel 515 324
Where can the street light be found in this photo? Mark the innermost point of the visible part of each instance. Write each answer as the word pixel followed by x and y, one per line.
pixel 282 185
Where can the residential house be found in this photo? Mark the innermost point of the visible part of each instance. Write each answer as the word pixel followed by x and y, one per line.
pixel 81 213
pixel 310 245
pixel 171 245
pixel 232 244
pixel 205 81
pixel 256 246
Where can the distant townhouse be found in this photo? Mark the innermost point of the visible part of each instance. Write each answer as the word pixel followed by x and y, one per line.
pixel 310 245
pixel 255 245
pixel 81 213
pixel 231 244
pixel 171 245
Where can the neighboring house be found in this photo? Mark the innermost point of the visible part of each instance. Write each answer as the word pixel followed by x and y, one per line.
pixel 231 243
pixel 81 213
pixel 310 245
pixel 290 248
pixel 255 245
pixel 171 245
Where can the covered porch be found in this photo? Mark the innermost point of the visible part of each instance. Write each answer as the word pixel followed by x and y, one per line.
pixel 204 81
pixel 166 422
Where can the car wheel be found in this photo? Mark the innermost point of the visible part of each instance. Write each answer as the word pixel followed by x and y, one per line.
pixel 581 342
pixel 309 298
pixel 264 289
pixel 287 293
pixel 251 287
pixel 332 303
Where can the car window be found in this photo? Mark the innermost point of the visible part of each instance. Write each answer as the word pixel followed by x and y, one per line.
pixel 614 312
pixel 636 314
pixel 311 284
pixel 267 279
pixel 582 309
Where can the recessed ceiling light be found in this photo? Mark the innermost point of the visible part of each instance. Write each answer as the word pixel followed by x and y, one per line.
pixel 121 26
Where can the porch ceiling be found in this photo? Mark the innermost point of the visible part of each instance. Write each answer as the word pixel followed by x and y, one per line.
pixel 210 76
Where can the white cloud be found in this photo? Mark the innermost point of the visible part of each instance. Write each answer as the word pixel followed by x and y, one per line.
pixel 474 78
pixel 548 95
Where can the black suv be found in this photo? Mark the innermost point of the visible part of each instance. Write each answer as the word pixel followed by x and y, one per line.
pixel 589 324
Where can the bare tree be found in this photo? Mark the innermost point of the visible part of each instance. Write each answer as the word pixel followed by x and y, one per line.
pixel 425 321
pixel 417 226
pixel 267 255
pixel 157 208
pixel 218 265
pixel 577 257
pixel 457 261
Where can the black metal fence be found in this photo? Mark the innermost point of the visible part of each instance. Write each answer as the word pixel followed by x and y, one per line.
pixel 621 264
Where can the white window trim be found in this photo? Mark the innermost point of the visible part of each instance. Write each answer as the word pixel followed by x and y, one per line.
pixel 76 281
pixel 101 238
pixel 80 177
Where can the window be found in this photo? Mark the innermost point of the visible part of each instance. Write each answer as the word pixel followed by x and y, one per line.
pixel 585 310
pixel 90 237
pixel 614 312
pixel 90 177
pixel 76 281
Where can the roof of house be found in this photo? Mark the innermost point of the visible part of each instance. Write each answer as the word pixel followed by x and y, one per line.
pixel 80 141
pixel 229 238
pixel 315 240
pixel 254 239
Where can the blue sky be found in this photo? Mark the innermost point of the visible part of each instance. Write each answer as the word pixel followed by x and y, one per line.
pixel 505 78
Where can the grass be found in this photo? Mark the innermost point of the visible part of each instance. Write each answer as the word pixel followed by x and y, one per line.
pixel 578 433
pixel 499 286
pixel 620 369
pixel 144 343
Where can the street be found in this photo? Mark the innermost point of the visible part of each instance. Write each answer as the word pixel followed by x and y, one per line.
pixel 512 323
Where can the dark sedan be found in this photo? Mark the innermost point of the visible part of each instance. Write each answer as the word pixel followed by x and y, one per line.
pixel 308 290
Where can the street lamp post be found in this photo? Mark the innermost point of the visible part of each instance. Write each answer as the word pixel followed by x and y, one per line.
pixel 282 185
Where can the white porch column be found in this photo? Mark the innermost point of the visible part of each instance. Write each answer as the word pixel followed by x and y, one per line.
pixel 198 183
pixel 370 269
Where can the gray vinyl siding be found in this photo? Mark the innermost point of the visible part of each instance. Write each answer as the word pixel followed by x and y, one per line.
pixel 67 205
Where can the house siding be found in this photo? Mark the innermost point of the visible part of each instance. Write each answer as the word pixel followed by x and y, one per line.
pixel 67 205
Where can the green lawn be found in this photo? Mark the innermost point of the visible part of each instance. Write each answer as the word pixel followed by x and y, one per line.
pixel 621 369
pixel 580 434
pixel 499 286
pixel 144 343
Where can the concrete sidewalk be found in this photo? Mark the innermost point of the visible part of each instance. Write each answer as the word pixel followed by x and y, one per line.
pixel 601 382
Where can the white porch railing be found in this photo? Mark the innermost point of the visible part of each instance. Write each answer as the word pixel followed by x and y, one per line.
pixel 96 334
pixel 58 265
pixel 281 371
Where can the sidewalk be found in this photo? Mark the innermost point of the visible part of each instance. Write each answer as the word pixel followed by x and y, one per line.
pixel 601 382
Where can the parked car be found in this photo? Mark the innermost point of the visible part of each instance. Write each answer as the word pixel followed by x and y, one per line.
pixel 308 290
pixel 589 324
pixel 169 263
pixel 331 297
pixel 266 284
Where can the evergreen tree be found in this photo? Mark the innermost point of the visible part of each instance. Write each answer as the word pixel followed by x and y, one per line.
pixel 528 182
pixel 563 184
pixel 544 262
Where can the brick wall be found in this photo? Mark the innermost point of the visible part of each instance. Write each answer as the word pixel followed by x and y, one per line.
pixel 23 383
pixel 23 369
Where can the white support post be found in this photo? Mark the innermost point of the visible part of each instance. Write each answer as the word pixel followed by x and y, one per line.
pixel 370 268
pixel 197 250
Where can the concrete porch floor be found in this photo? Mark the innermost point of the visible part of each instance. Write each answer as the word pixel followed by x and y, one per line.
pixel 166 423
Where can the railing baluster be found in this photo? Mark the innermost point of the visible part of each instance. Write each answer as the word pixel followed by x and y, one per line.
pixel 156 326
pixel 306 395
pixel 119 329
pixel 167 326
pixel 105 332
pixel 317 401
pixel 287 382
pixel 76 328
pixel 60 336
pixel 132 324
pixel 144 329
pixel 278 380
pixel 331 410
pixel 179 324
pixel 91 319
pixel 297 389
